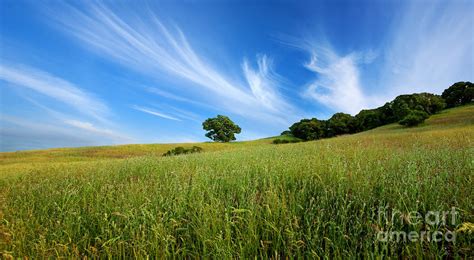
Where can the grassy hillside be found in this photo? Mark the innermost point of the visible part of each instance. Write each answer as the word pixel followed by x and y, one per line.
pixel 312 199
pixel 25 160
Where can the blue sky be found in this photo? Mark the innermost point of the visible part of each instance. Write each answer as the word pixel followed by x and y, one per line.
pixel 86 73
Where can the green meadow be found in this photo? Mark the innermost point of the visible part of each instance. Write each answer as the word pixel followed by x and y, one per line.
pixel 318 199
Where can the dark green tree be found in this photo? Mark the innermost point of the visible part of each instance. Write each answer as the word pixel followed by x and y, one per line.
pixel 368 119
pixel 408 108
pixel 414 118
pixel 387 115
pixel 221 129
pixel 309 129
pixel 427 102
pixel 339 124
pixel 459 93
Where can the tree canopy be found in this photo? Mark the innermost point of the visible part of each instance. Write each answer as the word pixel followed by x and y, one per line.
pixel 308 129
pixel 414 118
pixel 340 124
pixel 459 93
pixel 408 110
pixel 427 102
pixel 221 129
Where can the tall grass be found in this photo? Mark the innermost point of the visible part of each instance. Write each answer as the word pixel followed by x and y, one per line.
pixel 314 199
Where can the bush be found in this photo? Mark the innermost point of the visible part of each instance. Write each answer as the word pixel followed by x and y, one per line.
pixel 414 118
pixel 181 150
pixel 285 141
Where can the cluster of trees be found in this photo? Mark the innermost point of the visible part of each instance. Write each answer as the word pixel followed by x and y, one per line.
pixel 460 93
pixel 408 110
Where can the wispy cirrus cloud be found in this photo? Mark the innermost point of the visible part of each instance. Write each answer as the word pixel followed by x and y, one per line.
pixel 104 132
pixel 154 49
pixel 179 113
pixel 263 83
pixel 155 113
pixel 51 127
pixel 429 48
pixel 425 49
pixel 21 134
pixel 337 77
pixel 336 83
pixel 170 96
pixel 54 87
pixel 18 133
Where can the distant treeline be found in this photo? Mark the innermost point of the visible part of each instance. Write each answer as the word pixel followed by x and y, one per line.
pixel 408 110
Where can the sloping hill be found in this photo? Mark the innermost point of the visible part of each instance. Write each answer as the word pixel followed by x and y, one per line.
pixel 14 161
pixel 313 199
pixel 448 119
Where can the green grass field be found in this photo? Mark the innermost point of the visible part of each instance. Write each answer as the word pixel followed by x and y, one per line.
pixel 244 199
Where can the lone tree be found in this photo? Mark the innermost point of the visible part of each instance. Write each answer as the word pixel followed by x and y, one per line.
pixel 221 129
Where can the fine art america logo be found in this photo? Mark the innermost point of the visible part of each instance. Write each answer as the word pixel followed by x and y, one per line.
pixel 432 226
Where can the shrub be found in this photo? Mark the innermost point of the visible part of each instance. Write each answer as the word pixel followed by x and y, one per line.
pixel 414 118
pixel 277 141
pixel 181 150
pixel 195 149
pixel 285 141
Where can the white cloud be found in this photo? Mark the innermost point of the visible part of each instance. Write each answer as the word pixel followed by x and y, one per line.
pixel 53 127
pixel 337 85
pixel 87 126
pixel 430 47
pixel 180 113
pixel 20 134
pixel 155 113
pixel 154 48
pixel 56 88
pixel 101 131
pixel 263 83
pixel 426 49
pixel 168 95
